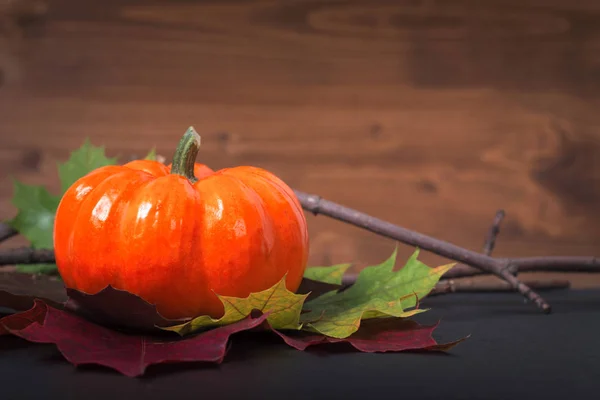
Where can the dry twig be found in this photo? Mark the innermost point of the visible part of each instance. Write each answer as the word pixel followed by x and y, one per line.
pixel 490 241
pixel 26 255
pixel 504 268
pixel 452 286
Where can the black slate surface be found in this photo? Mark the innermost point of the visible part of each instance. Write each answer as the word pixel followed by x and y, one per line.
pixel 514 352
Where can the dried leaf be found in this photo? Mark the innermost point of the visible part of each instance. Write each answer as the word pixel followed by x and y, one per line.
pixel 18 290
pixel 83 342
pixel 377 335
pixel 23 319
pixel 118 309
pixel 284 308
pixel 379 291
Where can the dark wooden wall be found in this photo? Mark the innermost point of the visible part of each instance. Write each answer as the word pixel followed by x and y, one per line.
pixel 431 114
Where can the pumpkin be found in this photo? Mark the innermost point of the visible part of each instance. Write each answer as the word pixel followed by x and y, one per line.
pixel 178 235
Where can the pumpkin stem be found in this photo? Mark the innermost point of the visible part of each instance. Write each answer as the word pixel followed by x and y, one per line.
pixel 185 155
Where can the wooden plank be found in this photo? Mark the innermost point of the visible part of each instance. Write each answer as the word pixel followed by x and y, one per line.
pixel 428 114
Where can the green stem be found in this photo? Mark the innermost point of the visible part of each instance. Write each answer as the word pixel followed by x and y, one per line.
pixel 185 155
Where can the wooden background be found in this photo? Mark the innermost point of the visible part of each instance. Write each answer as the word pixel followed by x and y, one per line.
pixel 430 114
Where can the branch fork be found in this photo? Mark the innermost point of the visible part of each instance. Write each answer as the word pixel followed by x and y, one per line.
pixel 472 263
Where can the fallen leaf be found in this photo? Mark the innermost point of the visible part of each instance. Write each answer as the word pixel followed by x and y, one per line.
pixel 110 307
pixel 18 290
pixel 118 309
pixel 333 274
pixel 315 289
pixel 284 308
pixel 83 342
pixel 377 335
pixel 379 291
pixel 23 319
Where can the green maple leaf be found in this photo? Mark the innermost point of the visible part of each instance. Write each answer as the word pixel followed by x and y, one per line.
pixel 284 308
pixel 34 220
pixel 378 292
pixel 333 274
pixel 36 207
pixel 81 162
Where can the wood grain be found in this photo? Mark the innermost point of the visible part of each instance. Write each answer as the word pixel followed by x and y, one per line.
pixel 429 114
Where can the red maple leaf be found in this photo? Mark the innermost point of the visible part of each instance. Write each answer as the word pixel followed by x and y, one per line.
pixel 83 342
pixel 22 320
pixel 118 330
pixel 377 335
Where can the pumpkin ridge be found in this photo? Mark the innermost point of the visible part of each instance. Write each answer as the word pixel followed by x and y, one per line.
pixel 115 214
pixel 267 222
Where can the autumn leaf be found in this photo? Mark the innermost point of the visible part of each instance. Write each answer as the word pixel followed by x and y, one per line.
pixel 84 329
pixel 83 342
pixel 376 336
pixel 21 320
pixel 314 289
pixel 81 162
pixel 284 308
pixel 378 292
pixel 333 274
pixel 118 309
pixel 19 290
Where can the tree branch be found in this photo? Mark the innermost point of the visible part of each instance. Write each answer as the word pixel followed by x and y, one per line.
pixel 26 255
pixel 566 264
pixel 451 286
pixel 501 267
pixel 490 241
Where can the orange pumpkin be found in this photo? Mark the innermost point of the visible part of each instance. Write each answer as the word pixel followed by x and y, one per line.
pixel 175 239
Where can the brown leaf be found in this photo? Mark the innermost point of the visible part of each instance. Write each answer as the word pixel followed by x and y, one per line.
pixel 118 309
pixel 18 290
